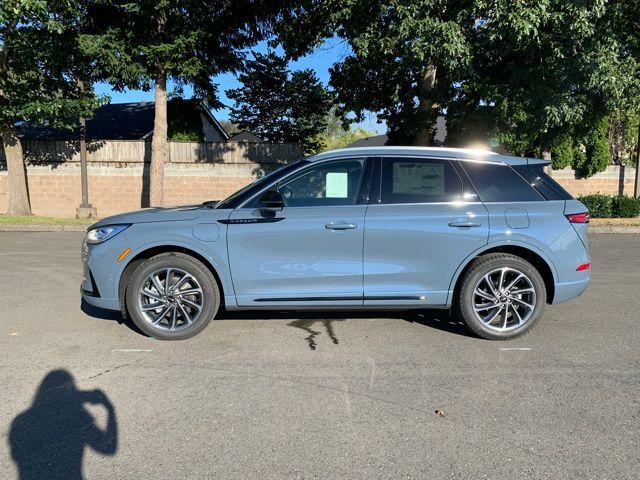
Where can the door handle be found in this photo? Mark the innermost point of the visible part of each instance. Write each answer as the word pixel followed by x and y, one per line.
pixel 340 226
pixel 464 224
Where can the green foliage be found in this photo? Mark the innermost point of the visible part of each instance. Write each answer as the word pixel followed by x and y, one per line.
pixel 41 64
pixel 230 127
pixel 337 134
pixel 626 207
pixel 579 158
pixel 597 146
pixel 405 58
pixel 184 122
pixel 134 44
pixel 599 205
pixel 562 152
pixel 278 105
pixel 529 67
pixel 623 136
pixel 607 206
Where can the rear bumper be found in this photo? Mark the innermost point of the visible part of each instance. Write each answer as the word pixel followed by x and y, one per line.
pixel 569 290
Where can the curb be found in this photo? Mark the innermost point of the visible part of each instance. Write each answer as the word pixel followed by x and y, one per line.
pixel 82 228
pixel 42 228
pixel 614 229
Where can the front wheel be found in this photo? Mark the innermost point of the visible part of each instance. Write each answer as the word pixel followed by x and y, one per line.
pixel 502 296
pixel 172 296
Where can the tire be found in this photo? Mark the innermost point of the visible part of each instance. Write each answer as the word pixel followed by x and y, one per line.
pixel 181 311
pixel 483 308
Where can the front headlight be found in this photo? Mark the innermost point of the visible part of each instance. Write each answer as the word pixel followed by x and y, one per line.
pixel 102 234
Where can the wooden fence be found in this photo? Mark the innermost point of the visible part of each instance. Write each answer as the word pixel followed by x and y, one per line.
pixel 51 152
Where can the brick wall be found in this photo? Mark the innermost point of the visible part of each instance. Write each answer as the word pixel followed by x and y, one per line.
pixel 614 180
pixel 197 172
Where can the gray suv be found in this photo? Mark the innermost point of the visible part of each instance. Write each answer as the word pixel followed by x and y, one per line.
pixel 491 237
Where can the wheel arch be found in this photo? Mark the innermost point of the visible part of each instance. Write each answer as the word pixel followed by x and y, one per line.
pixel 152 251
pixel 527 252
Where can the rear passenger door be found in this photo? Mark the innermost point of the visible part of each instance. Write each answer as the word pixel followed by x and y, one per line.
pixel 422 222
pixel 517 211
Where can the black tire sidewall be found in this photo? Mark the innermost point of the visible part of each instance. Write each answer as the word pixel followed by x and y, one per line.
pixel 473 276
pixel 211 295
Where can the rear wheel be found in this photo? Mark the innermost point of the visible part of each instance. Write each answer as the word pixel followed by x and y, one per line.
pixel 501 297
pixel 172 296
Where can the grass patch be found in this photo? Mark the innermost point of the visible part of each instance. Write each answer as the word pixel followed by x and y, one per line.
pixel 37 220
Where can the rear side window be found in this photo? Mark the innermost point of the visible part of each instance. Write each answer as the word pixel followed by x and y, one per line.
pixel 499 183
pixel 542 182
pixel 419 180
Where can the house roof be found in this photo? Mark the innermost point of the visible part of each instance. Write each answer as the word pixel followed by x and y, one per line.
pixel 245 136
pixel 117 121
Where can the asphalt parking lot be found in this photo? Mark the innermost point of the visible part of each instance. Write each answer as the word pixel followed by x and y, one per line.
pixel 315 396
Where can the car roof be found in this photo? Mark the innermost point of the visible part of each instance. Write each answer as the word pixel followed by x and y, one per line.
pixel 434 152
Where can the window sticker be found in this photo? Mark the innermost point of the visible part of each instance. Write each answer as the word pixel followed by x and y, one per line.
pixel 418 178
pixel 337 185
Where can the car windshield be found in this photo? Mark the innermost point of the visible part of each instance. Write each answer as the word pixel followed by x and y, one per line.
pixel 234 198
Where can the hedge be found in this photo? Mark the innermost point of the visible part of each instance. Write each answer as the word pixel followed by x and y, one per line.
pixel 607 206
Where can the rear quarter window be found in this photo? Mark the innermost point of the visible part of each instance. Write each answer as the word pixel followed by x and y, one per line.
pixel 499 183
pixel 542 182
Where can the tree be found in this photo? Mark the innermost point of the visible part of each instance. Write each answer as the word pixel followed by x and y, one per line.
pixel 279 105
pixel 230 127
pixel 149 42
pixel 40 65
pixel 336 135
pixel 529 71
pixel 552 71
pixel 406 57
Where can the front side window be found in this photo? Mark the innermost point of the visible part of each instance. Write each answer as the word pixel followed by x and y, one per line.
pixel 325 184
pixel 499 183
pixel 419 180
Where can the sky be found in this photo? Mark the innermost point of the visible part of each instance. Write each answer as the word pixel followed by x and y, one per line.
pixel 320 60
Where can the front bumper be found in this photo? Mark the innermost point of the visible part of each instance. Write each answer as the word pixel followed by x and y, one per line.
pixel 100 273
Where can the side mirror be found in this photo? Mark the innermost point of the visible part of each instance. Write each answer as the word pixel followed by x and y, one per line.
pixel 271 199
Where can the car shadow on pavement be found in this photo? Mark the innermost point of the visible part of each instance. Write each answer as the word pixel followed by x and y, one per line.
pixel 311 321
pixel 103 314
pixel 440 320
pixel 48 439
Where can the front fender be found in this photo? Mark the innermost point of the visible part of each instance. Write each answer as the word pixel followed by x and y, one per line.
pixel 214 252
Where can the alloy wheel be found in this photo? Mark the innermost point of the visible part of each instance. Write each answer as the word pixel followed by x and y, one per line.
pixel 170 299
pixel 504 299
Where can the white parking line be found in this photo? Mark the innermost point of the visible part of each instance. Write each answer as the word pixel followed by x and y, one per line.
pixel 142 350
pixel 508 349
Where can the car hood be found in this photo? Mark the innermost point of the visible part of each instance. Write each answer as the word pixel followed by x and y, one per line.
pixel 148 215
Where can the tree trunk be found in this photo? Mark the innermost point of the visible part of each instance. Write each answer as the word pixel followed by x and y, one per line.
pixel 159 142
pixel 426 106
pixel 18 190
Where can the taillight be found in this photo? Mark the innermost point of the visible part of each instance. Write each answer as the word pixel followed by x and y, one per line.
pixel 578 217
pixel 583 267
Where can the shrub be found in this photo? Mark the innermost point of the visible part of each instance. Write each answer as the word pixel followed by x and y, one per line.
pixel 598 155
pixel 626 207
pixel 600 206
pixel 562 152
pixel 579 159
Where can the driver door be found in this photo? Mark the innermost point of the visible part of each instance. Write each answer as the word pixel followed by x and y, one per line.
pixel 309 252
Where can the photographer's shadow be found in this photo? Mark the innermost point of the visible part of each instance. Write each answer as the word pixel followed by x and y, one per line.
pixel 48 439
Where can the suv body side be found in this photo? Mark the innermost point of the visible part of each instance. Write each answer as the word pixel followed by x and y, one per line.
pixel 400 251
